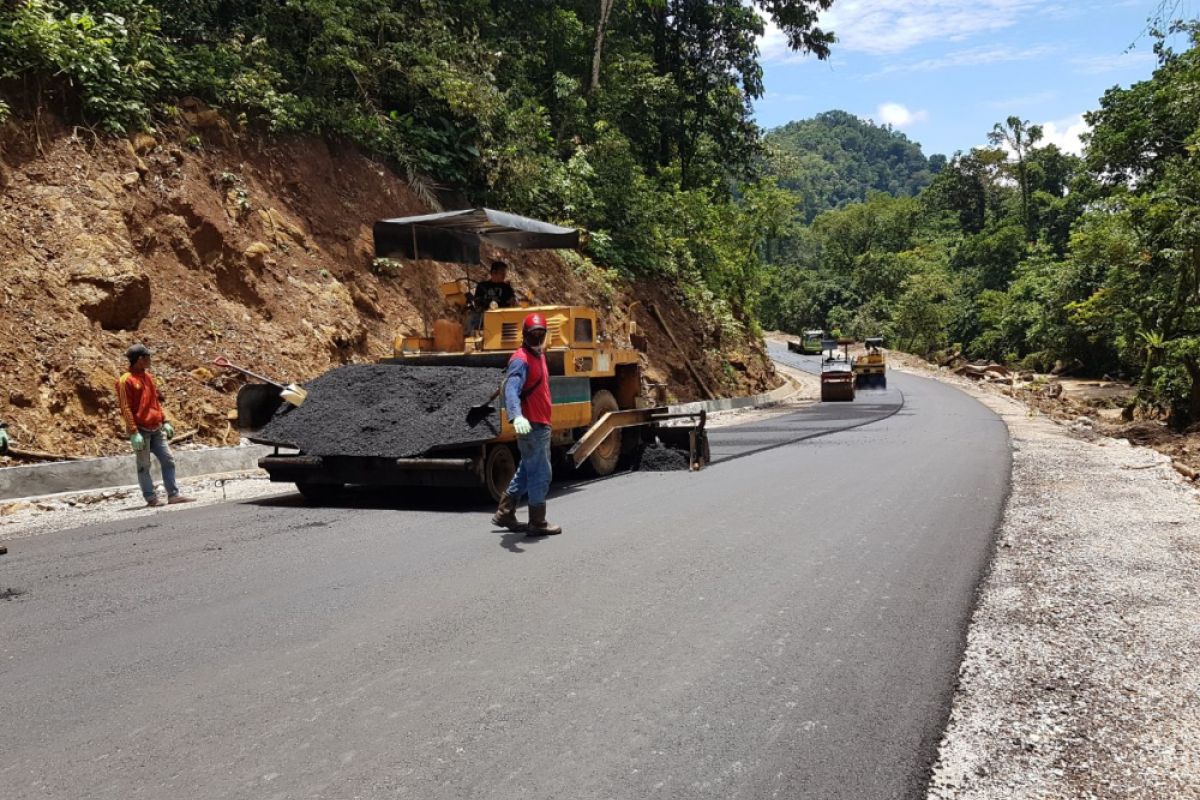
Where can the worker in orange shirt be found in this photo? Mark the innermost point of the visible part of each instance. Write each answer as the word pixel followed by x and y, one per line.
pixel 147 426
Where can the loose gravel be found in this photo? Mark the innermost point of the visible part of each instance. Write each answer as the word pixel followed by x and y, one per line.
pixel 1079 678
pixel 659 458
pixel 392 411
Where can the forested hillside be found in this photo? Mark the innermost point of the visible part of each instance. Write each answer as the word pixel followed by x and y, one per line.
pixel 629 119
pixel 1023 253
pixel 203 174
pixel 835 158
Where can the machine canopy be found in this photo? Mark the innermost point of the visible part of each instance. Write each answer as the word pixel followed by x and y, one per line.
pixel 456 235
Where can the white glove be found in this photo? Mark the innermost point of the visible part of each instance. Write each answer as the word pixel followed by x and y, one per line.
pixel 522 426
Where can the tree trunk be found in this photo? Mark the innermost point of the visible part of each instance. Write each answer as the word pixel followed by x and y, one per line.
pixel 1193 370
pixel 606 7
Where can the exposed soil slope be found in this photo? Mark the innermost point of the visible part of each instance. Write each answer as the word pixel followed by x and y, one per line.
pixel 206 241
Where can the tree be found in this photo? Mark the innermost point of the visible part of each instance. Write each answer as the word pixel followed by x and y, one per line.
pixel 1145 147
pixel 836 158
pixel 1020 137
pixel 605 10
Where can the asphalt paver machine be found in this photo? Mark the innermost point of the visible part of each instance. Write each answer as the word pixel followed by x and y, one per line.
pixel 600 413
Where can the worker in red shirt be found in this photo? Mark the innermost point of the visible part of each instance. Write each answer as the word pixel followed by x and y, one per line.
pixel 527 401
pixel 147 426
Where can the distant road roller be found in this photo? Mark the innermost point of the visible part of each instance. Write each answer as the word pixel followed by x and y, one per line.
pixel 837 371
pixel 870 369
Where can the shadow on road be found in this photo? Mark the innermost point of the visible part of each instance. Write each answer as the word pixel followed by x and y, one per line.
pixel 391 498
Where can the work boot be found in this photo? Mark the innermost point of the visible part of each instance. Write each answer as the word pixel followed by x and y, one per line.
pixel 177 499
pixel 538 525
pixel 506 514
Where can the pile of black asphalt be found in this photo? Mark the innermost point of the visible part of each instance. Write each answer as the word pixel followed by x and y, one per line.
pixel 387 410
pixel 660 458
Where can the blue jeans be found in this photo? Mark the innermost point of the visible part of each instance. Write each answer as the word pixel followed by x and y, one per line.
pixel 156 443
pixel 533 473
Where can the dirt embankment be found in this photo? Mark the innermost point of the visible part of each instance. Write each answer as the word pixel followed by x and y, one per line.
pixel 1094 407
pixel 204 240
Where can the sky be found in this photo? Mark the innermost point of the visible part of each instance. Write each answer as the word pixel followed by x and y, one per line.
pixel 945 71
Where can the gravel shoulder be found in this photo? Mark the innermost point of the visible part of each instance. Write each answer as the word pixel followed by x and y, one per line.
pixel 1079 677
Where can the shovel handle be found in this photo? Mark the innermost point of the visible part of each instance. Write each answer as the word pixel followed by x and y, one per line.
pixel 222 361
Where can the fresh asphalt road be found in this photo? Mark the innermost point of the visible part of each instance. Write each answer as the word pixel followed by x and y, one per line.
pixel 786 623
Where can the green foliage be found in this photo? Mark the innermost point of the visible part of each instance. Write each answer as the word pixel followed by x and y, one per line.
pixel 387 266
pixel 1145 151
pixel 923 312
pixel 112 57
pixel 1023 253
pixel 836 158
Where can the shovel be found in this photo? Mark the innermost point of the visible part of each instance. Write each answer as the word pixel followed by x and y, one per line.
pixel 291 392
pixel 477 414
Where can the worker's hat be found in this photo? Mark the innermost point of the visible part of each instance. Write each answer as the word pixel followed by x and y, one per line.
pixel 534 322
pixel 137 351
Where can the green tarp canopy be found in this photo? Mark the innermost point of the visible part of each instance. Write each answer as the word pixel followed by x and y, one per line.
pixel 456 235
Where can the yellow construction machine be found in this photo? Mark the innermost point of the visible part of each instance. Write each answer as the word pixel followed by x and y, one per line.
pixel 600 412
pixel 870 369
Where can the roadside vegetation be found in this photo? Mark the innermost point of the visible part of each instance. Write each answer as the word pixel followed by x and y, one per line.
pixel 1018 251
pixel 630 118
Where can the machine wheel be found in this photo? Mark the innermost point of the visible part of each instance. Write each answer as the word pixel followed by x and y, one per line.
pixel 319 494
pixel 498 469
pixel 883 381
pixel 604 459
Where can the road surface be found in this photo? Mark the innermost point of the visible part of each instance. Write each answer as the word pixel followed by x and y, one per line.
pixel 786 623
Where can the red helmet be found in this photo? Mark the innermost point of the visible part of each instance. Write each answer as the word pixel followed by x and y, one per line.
pixel 534 322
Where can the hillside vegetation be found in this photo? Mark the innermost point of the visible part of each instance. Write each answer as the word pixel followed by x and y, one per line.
pixel 835 159
pixel 1024 253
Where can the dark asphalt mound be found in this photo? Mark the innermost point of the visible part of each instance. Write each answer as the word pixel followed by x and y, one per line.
pixel 659 458
pixel 394 411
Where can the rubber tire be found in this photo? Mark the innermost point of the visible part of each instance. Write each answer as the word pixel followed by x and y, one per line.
pixel 883 381
pixel 606 457
pixel 499 466
pixel 320 494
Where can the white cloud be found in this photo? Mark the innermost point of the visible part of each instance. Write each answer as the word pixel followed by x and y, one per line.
pixel 1098 65
pixel 1014 104
pixel 1065 133
pixel 899 116
pixel 893 26
pixel 887 27
pixel 974 56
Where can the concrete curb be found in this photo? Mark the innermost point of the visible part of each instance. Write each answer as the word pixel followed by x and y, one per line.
pixel 119 471
pixel 777 395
